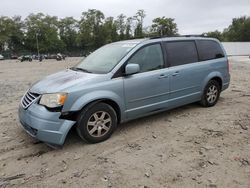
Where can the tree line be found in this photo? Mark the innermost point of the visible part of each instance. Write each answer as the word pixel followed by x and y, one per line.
pixel 238 31
pixel 49 34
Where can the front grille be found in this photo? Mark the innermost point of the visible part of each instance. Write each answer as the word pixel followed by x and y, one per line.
pixel 28 99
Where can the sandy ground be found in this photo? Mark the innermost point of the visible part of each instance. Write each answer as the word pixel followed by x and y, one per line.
pixel 186 147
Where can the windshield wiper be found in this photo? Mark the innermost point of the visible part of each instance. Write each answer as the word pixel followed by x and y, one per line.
pixel 80 69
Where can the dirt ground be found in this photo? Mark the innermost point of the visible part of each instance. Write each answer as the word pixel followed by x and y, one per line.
pixel 186 147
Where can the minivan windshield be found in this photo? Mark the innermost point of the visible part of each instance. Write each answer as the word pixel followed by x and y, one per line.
pixel 104 59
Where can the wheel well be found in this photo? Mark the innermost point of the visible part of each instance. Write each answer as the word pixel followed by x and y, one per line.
pixel 115 106
pixel 218 79
pixel 73 115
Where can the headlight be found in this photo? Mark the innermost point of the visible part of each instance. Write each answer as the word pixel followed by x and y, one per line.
pixel 53 100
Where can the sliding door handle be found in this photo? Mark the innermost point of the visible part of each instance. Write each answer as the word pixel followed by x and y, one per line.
pixel 163 76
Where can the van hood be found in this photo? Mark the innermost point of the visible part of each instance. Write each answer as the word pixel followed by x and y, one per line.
pixel 61 81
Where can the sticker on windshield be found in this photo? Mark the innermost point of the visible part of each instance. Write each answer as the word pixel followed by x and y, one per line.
pixel 129 45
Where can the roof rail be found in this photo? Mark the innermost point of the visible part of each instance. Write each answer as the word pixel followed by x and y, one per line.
pixel 157 37
pixel 202 35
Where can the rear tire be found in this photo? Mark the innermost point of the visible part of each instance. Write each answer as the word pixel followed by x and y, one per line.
pixel 96 122
pixel 211 94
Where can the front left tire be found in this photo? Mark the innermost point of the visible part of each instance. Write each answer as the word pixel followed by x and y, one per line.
pixel 96 122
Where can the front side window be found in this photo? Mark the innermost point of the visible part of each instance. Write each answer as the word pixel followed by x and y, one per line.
pixel 148 58
pixel 209 49
pixel 181 52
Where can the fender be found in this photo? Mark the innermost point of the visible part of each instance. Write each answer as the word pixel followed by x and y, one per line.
pixel 84 100
pixel 209 77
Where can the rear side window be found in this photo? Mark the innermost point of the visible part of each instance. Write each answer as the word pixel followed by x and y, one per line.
pixel 208 50
pixel 181 52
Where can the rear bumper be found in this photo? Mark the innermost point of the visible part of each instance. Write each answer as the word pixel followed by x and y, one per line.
pixel 225 86
pixel 226 82
pixel 44 125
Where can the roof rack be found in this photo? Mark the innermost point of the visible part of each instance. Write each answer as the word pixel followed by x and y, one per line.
pixel 202 35
pixel 157 37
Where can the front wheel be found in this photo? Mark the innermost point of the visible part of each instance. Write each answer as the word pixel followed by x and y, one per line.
pixel 211 94
pixel 96 123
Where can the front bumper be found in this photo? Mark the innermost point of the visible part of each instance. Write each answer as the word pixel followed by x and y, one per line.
pixel 44 125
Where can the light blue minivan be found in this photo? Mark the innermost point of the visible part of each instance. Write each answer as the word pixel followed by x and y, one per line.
pixel 122 81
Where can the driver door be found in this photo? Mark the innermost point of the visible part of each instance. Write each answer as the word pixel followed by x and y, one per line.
pixel 147 91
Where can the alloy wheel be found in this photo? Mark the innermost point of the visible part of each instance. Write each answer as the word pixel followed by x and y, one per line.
pixel 99 124
pixel 212 94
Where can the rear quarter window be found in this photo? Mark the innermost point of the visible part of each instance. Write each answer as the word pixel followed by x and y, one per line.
pixel 209 49
pixel 181 52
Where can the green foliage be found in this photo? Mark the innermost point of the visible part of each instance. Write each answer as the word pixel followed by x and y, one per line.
pixel 93 30
pixel 110 30
pixel 164 26
pixel 239 30
pixel 11 33
pixel 215 34
pixel 68 33
pixel 139 17
pixel 121 26
pixel 90 29
pixel 45 28
pixel 128 30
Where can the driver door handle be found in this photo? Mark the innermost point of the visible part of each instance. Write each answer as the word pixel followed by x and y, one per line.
pixel 176 73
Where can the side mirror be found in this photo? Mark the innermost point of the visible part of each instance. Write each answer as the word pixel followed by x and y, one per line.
pixel 132 69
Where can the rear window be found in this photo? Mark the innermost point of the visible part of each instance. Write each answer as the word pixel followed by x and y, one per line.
pixel 208 50
pixel 181 52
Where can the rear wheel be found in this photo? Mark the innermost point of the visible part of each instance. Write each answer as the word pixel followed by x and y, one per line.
pixel 96 122
pixel 211 94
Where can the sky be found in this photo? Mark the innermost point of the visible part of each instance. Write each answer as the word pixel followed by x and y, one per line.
pixel 191 16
